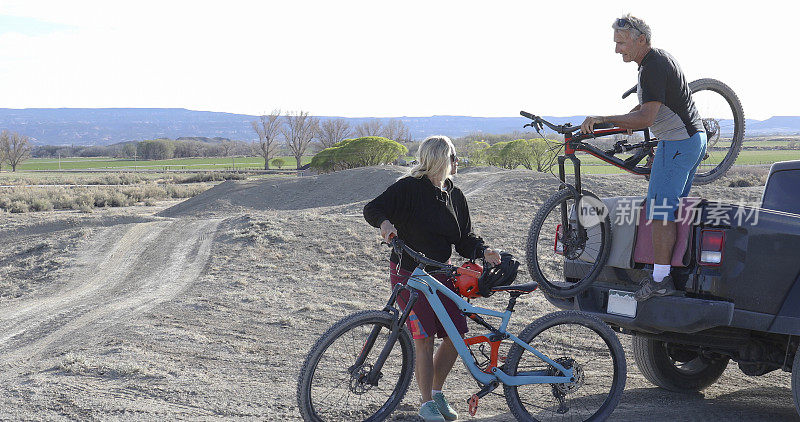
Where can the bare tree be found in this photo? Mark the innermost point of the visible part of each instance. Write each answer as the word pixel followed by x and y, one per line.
pixel 16 148
pixel 3 142
pixel 226 147
pixel 396 130
pixel 267 127
pixel 372 127
pixel 298 132
pixel 333 131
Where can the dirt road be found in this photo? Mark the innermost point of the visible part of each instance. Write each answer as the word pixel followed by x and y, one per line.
pixel 207 315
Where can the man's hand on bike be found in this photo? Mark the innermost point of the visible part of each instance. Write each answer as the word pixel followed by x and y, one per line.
pixel 588 125
pixel 491 256
pixel 388 231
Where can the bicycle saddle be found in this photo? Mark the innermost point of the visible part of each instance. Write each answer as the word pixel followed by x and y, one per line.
pixel 520 288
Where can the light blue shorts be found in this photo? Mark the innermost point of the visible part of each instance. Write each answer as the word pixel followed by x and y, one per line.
pixel 671 175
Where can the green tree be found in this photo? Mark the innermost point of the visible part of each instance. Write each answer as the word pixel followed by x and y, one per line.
pixel 529 153
pixel 359 152
pixel 278 162
pixel 475 152
pixel 497 155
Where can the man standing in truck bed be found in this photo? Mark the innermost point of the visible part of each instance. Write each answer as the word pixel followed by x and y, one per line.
pixel 666 107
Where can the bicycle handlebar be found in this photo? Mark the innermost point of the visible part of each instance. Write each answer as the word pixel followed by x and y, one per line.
pixel 538 122
pixel 565 129
pixel 399 246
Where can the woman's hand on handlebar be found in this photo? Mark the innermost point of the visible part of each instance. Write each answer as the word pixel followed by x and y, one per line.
pixel 388 231
pixel 491 256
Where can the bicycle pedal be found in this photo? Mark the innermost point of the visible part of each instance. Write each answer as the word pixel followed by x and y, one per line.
pixel 473 404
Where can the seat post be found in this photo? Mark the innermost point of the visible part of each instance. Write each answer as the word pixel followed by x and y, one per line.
pixel 512 301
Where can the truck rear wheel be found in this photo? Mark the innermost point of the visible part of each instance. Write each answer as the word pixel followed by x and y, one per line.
pixel 676 369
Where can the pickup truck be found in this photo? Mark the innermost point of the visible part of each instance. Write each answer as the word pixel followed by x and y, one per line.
pixel 738 294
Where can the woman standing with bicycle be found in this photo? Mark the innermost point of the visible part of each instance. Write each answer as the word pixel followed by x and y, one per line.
pixel 430 214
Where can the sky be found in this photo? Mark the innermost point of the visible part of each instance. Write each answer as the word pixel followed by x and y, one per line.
pixel 383 59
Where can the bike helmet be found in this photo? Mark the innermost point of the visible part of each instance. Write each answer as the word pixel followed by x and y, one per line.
pixel 467 276
pixel 501 274
pixel 473 281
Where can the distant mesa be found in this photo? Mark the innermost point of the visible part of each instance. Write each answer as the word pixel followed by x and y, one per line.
pixel 106 126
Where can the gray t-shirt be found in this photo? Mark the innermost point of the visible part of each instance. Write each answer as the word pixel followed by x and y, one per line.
pixel 661 79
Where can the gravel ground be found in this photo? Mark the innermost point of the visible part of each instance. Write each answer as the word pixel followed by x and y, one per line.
pixel 206 310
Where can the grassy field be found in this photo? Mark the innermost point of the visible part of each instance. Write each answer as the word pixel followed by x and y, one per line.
pixel 592 164
pixel 214 163
pixel 746 157
pixel 26 191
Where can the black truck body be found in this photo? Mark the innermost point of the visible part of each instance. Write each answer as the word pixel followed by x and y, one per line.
pixel 744 308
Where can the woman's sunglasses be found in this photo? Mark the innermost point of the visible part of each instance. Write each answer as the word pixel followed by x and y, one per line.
pixel 453 158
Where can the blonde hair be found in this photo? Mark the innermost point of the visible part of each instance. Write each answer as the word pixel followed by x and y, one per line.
pixel 434 158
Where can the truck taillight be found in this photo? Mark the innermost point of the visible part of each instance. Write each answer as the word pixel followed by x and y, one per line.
pixel 558 247
pixel 711 244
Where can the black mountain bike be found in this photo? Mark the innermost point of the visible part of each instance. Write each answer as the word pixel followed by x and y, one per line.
pixel 560 233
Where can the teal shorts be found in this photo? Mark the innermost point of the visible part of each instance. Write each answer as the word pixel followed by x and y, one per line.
pixel 671 175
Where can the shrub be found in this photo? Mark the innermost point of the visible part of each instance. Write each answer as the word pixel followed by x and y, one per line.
pixel 359 152
pixel 740 183
pixel 278 162
pixel 41 204
pixel 18 206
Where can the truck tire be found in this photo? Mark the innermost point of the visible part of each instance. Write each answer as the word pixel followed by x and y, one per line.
pixel 687 372
pixel 796 381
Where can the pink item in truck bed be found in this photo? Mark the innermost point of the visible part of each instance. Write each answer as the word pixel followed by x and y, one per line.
pixel 643 251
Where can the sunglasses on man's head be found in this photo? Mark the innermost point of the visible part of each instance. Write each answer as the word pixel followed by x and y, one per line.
pixel 623 22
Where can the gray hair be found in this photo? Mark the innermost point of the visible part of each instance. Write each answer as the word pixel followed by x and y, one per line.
pixel 635 27
pixel 434 158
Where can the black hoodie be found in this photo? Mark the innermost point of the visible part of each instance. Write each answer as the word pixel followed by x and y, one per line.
pixel 427 218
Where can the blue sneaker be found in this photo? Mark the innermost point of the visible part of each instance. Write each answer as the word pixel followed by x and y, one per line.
pixel 444 407
pixel 430 412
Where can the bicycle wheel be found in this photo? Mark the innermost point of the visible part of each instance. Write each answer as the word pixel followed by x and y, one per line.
pixel 578 341
pixel 723 117
pixel 330 388
pixel 561 257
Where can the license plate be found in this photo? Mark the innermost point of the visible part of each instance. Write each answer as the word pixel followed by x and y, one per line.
pixel 621 303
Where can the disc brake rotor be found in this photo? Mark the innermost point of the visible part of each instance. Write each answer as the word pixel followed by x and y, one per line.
pixel 358 380
pixel 574 243
pixel 713 131
pixel 577 375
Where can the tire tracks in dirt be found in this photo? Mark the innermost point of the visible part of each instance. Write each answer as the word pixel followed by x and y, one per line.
pixel 123 271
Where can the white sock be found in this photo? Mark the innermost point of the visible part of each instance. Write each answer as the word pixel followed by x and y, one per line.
pixel 660 271
pixel 433 392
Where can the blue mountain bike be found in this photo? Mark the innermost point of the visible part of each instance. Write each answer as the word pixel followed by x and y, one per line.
pixel 563 366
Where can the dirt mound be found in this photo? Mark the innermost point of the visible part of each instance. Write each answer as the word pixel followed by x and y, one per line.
pixel 325 190
pixel 486 187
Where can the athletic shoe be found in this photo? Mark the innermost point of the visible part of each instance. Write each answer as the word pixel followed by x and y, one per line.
pixel 430 412
pixel 444 407
pixel 650 288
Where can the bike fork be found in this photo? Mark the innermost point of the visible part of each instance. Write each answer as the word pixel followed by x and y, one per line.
pixel 397 325
pixel 576 191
